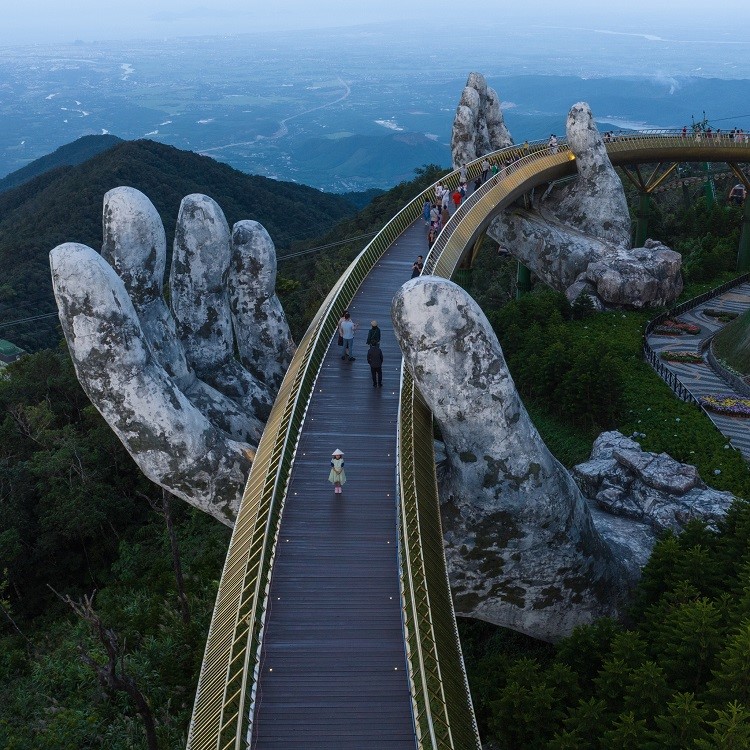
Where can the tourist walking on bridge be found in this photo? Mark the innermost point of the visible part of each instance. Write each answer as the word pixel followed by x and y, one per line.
pixel 373 335
pixel 337 475
pixel 446 198
pixel 375 360
pixel 416 268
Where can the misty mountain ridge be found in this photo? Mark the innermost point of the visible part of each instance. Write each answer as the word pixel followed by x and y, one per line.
pixel 68 155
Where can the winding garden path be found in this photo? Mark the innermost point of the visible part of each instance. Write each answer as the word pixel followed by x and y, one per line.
pixel 700 379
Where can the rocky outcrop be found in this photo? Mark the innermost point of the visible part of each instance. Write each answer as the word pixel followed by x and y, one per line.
pixel 165 379
pixel 647 276
pixel 577 238
pixel 520 541
pixel 654 489
pixel 478 127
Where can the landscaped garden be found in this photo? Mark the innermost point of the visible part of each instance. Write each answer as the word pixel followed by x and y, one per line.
pixel 690 358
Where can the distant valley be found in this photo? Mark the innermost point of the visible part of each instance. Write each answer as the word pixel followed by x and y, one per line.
pixel 358 108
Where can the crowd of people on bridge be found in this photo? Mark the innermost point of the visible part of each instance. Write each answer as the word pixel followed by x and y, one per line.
pixel 735 135
pixel 436 212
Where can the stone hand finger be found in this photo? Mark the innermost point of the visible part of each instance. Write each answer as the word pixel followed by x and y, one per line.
pixel 135 246
pixel 263 339
pixel 596 200
pixel 171 441
pixel 200 303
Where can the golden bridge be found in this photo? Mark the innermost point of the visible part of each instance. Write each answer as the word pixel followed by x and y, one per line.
pixel 333 625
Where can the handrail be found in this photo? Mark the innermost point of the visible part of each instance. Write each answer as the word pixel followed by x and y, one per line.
pixel 442 707
pixel 226 689
pixel 475 213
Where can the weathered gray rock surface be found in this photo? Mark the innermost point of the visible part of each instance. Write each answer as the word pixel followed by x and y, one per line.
pixel 165 379
pixel 266 348
pixel 521 545
pixel 577 238
pixel 478 126
pixel 526 548
pixel 624 480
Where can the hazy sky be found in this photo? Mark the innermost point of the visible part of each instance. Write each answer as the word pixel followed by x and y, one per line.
pixel 41 21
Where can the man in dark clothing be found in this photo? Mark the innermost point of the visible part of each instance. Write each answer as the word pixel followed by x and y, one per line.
pixel 373 335
pixel 375 360
pixel 416 268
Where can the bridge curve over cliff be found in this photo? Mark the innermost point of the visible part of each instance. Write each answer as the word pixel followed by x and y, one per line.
pixel 333 624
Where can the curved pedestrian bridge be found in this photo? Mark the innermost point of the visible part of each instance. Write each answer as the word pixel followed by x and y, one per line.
pixel 333 626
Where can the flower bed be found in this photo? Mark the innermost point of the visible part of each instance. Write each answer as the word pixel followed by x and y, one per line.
pixel 723 316
pixel 677 328
pixel 727 403
pixel 687 357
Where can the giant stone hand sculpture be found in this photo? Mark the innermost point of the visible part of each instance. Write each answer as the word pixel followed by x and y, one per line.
pixel 166 380
pixel 478 126
pixel 577 239
pixel 521 545
pixel 525 548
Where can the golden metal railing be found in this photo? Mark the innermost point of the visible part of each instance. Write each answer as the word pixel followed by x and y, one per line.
pixel 475 213
pixel 441 701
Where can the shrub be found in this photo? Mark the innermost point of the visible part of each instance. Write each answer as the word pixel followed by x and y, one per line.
pixel 685 357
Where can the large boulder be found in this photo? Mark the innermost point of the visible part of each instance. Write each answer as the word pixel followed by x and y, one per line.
pixel 624 480
pixel 478 127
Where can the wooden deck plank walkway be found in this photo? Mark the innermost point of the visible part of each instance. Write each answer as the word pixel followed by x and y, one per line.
pixel 333 666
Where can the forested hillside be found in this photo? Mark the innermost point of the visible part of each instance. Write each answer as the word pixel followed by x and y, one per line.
pixel 77 516
pixel 65 205
pixel 68 155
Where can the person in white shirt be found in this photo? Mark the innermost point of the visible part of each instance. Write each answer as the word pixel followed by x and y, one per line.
pixel 347 327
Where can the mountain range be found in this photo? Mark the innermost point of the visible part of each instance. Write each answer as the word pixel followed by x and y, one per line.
pixel 64 204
